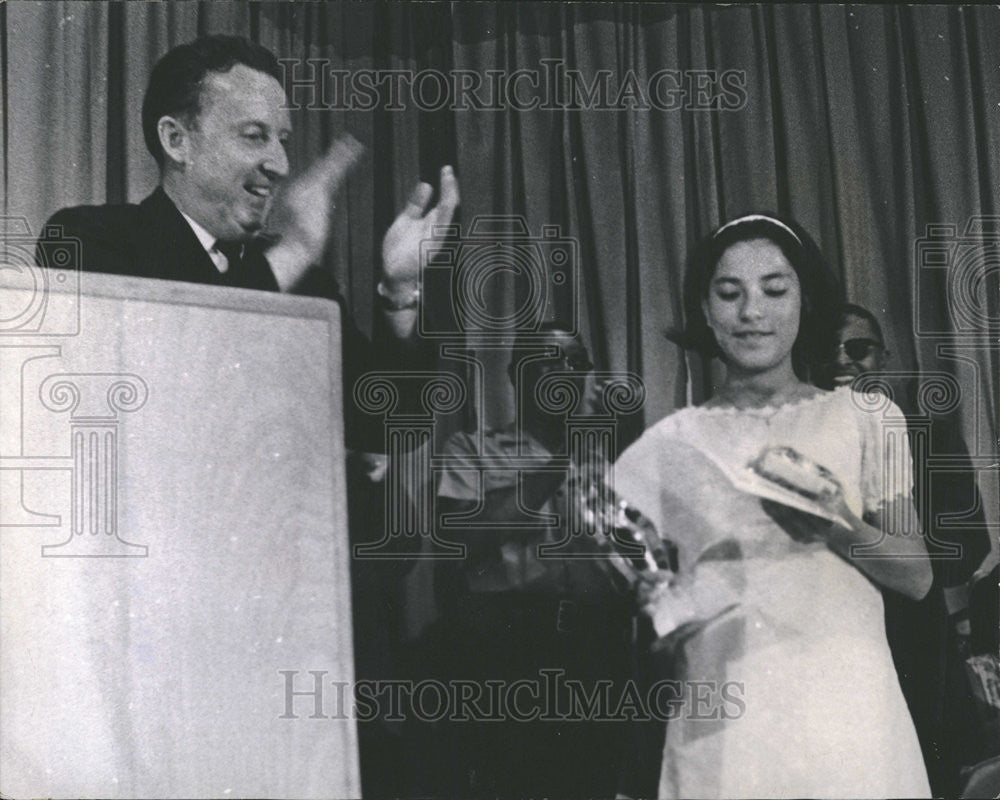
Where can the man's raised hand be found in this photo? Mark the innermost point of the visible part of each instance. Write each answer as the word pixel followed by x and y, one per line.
pixel 301 218
pixel 415 224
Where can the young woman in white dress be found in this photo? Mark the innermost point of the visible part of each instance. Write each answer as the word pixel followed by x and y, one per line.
pixel 775 615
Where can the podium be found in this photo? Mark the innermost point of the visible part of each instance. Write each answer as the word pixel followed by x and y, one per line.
pixel 174 586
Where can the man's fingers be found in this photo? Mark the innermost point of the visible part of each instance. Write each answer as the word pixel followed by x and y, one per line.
pixel 418 200
pixel 449 199
pixel 442 213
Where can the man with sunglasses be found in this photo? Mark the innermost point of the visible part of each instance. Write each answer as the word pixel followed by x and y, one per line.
pixel 860 346
pixel 511 612
pixel 926 637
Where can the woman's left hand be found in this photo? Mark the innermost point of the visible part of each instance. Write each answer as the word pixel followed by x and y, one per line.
pixel 805 527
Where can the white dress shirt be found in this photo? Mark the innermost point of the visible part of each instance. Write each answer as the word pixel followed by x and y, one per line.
pixel 209 242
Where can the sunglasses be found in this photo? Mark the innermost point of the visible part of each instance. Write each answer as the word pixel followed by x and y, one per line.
pixel 858 349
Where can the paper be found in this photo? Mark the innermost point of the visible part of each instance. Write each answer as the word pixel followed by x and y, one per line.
pixel 749 481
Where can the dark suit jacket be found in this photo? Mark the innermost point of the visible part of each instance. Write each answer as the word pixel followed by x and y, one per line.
pixel 153 240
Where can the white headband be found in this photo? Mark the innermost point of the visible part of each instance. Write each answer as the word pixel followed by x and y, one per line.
pixel 760 218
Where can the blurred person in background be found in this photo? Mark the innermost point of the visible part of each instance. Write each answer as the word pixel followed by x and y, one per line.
pixel 510 610
pixel 931 639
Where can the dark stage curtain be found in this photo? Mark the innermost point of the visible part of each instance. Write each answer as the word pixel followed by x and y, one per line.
pixel 866 123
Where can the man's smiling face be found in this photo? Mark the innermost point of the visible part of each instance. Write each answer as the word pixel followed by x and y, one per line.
pixel 859 350
pixel 236 152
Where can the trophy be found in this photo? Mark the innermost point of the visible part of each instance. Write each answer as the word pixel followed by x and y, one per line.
pixel 628 538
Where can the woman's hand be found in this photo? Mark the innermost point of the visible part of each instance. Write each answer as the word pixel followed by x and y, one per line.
pixel 892 557
pixel 801 526
pixel 649 587
pixel 804 527
pixel 660 599
pixel 680 605
pixel 666 599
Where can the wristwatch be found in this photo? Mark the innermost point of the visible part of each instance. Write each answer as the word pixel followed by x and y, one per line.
pixel 390 303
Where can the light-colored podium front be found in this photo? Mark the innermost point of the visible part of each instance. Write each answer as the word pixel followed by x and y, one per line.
pixel 174 588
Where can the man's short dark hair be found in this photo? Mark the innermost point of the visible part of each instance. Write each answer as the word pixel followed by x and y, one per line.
pixel 176 82
pixel 854 310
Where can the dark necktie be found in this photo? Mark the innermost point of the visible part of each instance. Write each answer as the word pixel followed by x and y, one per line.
pixel 248 268
pixel 233 251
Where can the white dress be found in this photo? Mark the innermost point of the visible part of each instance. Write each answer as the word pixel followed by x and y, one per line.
pixel 802 698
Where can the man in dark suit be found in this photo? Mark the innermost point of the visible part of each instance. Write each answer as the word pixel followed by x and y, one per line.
pixel 213 117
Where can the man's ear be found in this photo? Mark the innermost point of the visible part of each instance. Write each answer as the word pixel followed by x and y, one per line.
pixel 175 139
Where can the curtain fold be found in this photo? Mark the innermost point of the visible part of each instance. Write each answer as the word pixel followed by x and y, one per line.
pixel 866 123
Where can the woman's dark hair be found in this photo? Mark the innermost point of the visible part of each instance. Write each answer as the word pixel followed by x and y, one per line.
pixel 176 81
pixel 821 292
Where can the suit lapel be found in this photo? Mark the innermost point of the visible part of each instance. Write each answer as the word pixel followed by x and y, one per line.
pixel 167 241
pixel 176 254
